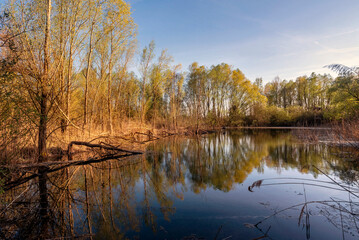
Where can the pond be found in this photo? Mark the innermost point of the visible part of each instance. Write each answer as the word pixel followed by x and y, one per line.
pixel 239 184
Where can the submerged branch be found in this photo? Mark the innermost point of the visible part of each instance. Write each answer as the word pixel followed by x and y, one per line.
pixel 59 165
pixel 106 147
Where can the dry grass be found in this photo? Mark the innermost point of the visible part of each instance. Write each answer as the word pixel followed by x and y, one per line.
pixel 347 133
pixel 131 135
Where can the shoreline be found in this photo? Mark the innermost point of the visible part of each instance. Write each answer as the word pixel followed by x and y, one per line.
pixel 289 128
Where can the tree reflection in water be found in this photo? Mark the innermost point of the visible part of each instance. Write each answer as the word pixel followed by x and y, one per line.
pixel 117 199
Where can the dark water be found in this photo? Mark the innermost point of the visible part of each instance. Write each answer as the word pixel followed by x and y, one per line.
pixel 197 188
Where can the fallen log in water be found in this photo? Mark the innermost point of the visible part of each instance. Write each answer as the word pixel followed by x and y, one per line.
pixel 53 166
pixel 106 147
pixel 67 163
pixel 101 146
pixel 46 167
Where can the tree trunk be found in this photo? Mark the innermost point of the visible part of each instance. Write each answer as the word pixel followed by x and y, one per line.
pixel 43 89
pixel 42 127
pixel 68 84
pixel 109 106
pixel 63 120
pixel 109 93
pixel 143 101
pixel 88 73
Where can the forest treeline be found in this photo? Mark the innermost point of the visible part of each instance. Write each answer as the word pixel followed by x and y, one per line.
pixel 68 65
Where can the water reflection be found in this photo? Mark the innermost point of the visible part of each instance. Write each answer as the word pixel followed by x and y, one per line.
pixel 184 188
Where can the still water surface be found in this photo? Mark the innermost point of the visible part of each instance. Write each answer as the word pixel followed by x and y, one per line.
pixel 196 188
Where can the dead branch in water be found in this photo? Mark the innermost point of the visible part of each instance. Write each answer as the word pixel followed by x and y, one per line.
pixel 78 162
pixel 46 168
pixel 102 146
pixel 66 163
pixel 131 137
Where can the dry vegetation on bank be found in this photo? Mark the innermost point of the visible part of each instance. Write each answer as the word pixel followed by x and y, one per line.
pixel 343 134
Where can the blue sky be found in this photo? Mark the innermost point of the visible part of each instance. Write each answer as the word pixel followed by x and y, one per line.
pixel 263 38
